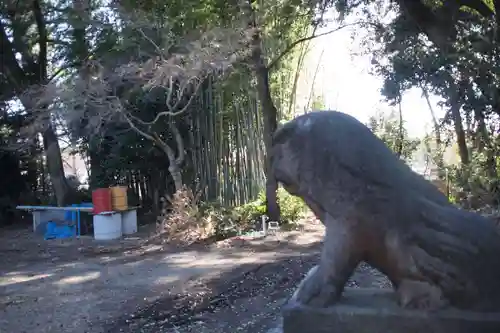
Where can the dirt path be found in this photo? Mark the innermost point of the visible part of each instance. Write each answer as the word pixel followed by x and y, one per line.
pixel 246 299
pixel 46 288
pixel 251 304
pixel 95 294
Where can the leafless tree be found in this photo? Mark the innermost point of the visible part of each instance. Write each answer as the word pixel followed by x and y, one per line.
pixel 179 75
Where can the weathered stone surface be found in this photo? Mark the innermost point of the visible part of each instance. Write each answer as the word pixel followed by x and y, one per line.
pixel 376 311
pixel 376 209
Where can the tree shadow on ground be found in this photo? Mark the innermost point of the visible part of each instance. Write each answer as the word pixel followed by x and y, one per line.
pixel 114 283
pixel 202 297
pixel 247 298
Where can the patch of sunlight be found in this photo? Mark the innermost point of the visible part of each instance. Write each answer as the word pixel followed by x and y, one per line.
pixel 135 263
pixel 70 264
pixel 76 279
pixel 219 263
pixel 183 257
pixel 166 279
pixel 13 278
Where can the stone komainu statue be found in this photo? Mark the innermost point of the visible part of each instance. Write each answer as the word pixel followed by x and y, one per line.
pixel 376 209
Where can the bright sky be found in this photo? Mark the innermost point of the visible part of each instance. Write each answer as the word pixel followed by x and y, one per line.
pixel 346 85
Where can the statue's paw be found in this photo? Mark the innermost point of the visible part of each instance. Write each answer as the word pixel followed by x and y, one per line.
pixel 419 295
pixel 315 290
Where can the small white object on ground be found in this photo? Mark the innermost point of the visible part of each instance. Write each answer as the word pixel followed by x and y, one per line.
pixel 273 225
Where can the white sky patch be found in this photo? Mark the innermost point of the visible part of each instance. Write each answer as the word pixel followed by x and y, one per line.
pixel 346 85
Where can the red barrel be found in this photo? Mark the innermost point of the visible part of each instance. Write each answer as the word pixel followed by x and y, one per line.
pixel 101 199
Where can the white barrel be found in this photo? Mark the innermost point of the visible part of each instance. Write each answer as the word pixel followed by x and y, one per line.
pixel 107 226
pixel 129 222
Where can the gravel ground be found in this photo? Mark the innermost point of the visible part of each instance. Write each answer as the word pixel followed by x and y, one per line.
pixel 250 303
pixel 233 286
pixel 82 287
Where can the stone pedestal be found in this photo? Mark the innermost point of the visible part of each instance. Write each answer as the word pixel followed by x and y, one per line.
pixel 376 311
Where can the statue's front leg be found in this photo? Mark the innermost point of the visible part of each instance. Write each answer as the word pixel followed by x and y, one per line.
pixel 324 283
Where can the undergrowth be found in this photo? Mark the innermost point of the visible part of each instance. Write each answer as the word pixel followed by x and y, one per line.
pixel 186 219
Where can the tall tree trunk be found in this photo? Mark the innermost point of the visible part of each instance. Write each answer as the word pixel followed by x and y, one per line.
pixel 33 167
pixel 270 113
pixel 136 180
pixel 98 176
pixel 55 166
pixel 175 162
pixel 175 173
pixel 142 189
pixel 20 78
pixel 149 190
pixel 462 147
pixel 270 125
pixel 80 18
pixel 399 149
pixel 435 123
pixel 50 139
pixel 439 160
pixel 456 92
pixel 155 192
pixel 459 131
pixel 43 177
pixel 486 145
pixel 52 151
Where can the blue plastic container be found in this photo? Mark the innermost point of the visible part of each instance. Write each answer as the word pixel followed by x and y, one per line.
pixel 55 231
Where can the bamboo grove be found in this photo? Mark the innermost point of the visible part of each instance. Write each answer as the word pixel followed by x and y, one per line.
pixel 221 131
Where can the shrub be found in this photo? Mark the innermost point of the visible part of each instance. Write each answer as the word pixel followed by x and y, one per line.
pixel 185 219
pixel 472 187
pixel 180 220
pixel 226 221
pixel 292 209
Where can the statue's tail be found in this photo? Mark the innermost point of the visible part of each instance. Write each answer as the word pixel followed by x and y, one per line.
pixel 459 251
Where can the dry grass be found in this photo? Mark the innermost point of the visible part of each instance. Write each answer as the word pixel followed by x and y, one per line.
pixel 181 221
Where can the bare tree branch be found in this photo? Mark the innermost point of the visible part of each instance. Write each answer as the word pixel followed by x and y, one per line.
pixel 290 47
pixel 176 105
pixel 150 137
pixel 158 49
pixel 155 138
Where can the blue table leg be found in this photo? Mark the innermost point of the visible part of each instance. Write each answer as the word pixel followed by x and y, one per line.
pixel 78 227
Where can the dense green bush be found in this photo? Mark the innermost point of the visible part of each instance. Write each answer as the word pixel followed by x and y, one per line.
pixel 292 207
pixel 473 186
pixel 249 216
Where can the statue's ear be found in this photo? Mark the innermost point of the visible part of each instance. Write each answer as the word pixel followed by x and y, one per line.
pixel 283 132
